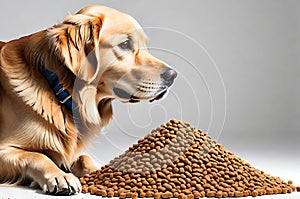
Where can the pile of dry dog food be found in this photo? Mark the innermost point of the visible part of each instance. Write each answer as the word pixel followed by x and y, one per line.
pixel 178 161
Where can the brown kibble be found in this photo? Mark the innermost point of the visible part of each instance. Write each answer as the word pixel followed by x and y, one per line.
pixel 93 190
pixel 246 194
pixel 175 194
pixel 183 186
pixel 116 194
pixel 254 193
pixel 157 195
pixel 84 189
pixel 101 192
pixel 225 194
pixel 149 194
pixel 231 194
pixel 259 191
pixel 167 194
pixel 181 169
pixel 167 186
pixel 186 191
pixel 110 194
pixel 199 188
pixel 180 164
pixel 134 195
pixel 129 194
pixel 98 192
pixel 142 194
pixel 206 185
pixel 211 194
pixel 197 194
pixel 82 181
pixel 178 161
pixel 122 195
pixel 190 196
pixel 238 194
pixel 269 191
pixel 219 194
pixel 182 196
pixel 279 190
pixel 162 189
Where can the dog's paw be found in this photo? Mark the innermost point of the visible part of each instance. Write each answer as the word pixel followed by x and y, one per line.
pixel 63 184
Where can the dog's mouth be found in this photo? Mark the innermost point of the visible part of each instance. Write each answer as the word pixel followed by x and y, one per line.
pixel 159 96
pixel 131 98
pixel 125 95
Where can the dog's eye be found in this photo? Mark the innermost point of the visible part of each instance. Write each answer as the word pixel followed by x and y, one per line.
pixel 126 45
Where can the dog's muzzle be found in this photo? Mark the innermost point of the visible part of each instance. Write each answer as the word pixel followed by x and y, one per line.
pixel 167 79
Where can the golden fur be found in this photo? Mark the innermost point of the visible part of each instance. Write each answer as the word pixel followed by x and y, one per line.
pixel 40 139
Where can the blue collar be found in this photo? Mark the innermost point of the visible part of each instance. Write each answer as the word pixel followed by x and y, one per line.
pixel 62 95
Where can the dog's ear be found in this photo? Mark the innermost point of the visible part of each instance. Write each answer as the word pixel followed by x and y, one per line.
pixel 76 42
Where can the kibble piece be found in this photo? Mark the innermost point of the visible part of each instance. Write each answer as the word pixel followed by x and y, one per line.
pixel 225 194
pixel 254 193
pixel 190 196
pixel 167 194
pixel 197 194
pixel 167 186
pixel 129 194
pixel 157 195
pixel 182 196
pixel 231 194
pixel 122 195
pixel 219 194
pixel 238 194
pixel 93 190
pixel 269 191
pixel 134 195
pixel 84 189
pixel 110 194
pixel 142 194
pixel 246 193
pixel 102 193
pixel 149 194
pixel 211 194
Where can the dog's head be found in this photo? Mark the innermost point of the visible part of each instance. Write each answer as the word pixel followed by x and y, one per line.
pixel 107 48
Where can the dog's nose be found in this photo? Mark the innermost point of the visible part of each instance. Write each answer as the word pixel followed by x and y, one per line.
pixel 169 75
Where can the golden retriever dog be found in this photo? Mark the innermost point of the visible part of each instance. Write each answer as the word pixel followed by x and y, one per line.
pixel 57 86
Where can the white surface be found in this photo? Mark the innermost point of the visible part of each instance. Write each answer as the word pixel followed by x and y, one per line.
pixel 21 193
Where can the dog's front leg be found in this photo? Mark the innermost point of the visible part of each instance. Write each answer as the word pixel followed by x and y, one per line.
pixel 17 164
